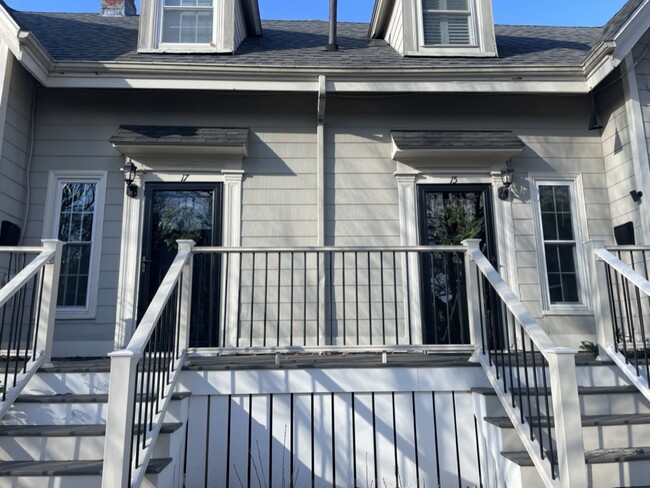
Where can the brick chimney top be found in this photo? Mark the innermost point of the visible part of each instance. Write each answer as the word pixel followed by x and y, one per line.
pixel 117 8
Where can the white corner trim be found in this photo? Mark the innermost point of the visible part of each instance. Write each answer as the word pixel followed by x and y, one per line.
pixel 638 141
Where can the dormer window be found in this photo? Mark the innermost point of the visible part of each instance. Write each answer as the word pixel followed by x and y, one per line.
pixel 436 27
pixel 188 22
pixel 196 26
pixel 446 23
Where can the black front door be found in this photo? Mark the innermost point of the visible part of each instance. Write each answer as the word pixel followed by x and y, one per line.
pixel 450 214
pixel 183 211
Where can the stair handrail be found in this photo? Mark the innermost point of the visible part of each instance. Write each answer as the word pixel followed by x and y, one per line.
pixel 606 271
pixel 561 375
pixel 157 350
pixel 43 272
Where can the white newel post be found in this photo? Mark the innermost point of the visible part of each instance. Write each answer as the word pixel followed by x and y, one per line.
pixel 119 420
pixel 49 296
pixel 568 421
pixel 473 294
pixel 185 246
pixel 602 312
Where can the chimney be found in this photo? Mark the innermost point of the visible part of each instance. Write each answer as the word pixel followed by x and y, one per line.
pixel 117 8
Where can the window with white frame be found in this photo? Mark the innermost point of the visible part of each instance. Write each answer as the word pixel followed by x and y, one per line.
pixel 452 28
pixel 187 21
pixel 447 23
pixel 76 211
pixel 558 224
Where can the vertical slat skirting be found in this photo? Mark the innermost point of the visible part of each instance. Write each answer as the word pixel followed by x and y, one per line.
pixel 333 439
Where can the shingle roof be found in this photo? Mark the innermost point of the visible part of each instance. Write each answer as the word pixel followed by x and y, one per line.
pixel 167 135
pixel 456 139
pixel 300 44
pixel 618 21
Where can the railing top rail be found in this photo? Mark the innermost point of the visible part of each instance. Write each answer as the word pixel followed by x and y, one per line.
pixel 639 281
pixel 239 250
pixel 21 249
pixel 27 273
pixel 531 326
pixel 145 328
pixel 628 248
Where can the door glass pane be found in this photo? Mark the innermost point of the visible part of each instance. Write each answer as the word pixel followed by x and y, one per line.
pixel 450 217
pixel 184 214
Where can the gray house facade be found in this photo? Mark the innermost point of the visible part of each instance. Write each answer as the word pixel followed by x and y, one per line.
pixel 351 261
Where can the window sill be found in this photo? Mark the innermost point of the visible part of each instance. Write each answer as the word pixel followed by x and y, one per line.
pixel 74 315
pixel 567 311
pixel 185 49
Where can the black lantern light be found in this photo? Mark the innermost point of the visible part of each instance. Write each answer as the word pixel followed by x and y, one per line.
pixel 128 172
pixel 507 175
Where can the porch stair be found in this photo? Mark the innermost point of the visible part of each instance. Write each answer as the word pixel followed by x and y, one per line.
pixel 615 426
pixel 53 436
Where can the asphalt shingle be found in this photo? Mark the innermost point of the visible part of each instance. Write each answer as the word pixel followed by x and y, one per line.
pixel 168 135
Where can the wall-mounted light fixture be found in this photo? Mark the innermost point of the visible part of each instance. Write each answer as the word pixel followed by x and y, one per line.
pixel 507 175
pixel 128 172
pixel 636 195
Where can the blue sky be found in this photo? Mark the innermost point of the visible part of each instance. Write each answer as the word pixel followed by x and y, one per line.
pixel 546 12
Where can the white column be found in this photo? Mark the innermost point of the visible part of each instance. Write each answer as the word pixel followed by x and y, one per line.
pixel 185 246
pixel 568 421
pixel 119 419
pixel 407 198
pixel 49 295
pixel 600 299
pixel 638 143
pixel 129 269
pixel 473 294
pixel 232 211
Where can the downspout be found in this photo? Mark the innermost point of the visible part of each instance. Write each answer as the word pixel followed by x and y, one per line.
pixel 320 158
pixel 320 200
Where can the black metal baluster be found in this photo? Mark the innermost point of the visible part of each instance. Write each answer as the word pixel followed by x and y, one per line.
pixel 250 340
pixel 277 342
pixel 395 298
pixel 381 284
pixel 344 313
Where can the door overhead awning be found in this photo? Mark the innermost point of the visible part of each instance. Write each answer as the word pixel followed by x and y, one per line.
pixel 446 146
pixel 152 140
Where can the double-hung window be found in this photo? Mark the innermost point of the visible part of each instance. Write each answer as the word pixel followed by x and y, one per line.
pixel 76 214
pixel 447 23
pixel 560 244
pixel 188 21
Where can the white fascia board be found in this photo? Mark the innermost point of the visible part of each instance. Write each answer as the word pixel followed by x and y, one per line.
pixel 25 47
pixel 610 55
pixel 515 80
pixel 380 15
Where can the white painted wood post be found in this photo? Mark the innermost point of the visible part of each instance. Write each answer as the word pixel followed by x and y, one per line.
pixel 568 421
pixel 49 296
pixel 473 295
pixel 185 246
pixel 119 420
pixel 598 283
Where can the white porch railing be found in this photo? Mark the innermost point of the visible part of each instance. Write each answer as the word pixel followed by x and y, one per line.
pixel 143 376
pixel 622 299
pixel 530 374
pixel 27 309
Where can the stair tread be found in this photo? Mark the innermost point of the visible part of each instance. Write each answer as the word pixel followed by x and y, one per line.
pixel 67 468
pixel 587 420
pixel 69 430
pixel 582 390
pixel 94 365
pixel 596 456
pixel 77 397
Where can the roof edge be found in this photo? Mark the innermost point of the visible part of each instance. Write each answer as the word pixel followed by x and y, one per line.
pixel 380 14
